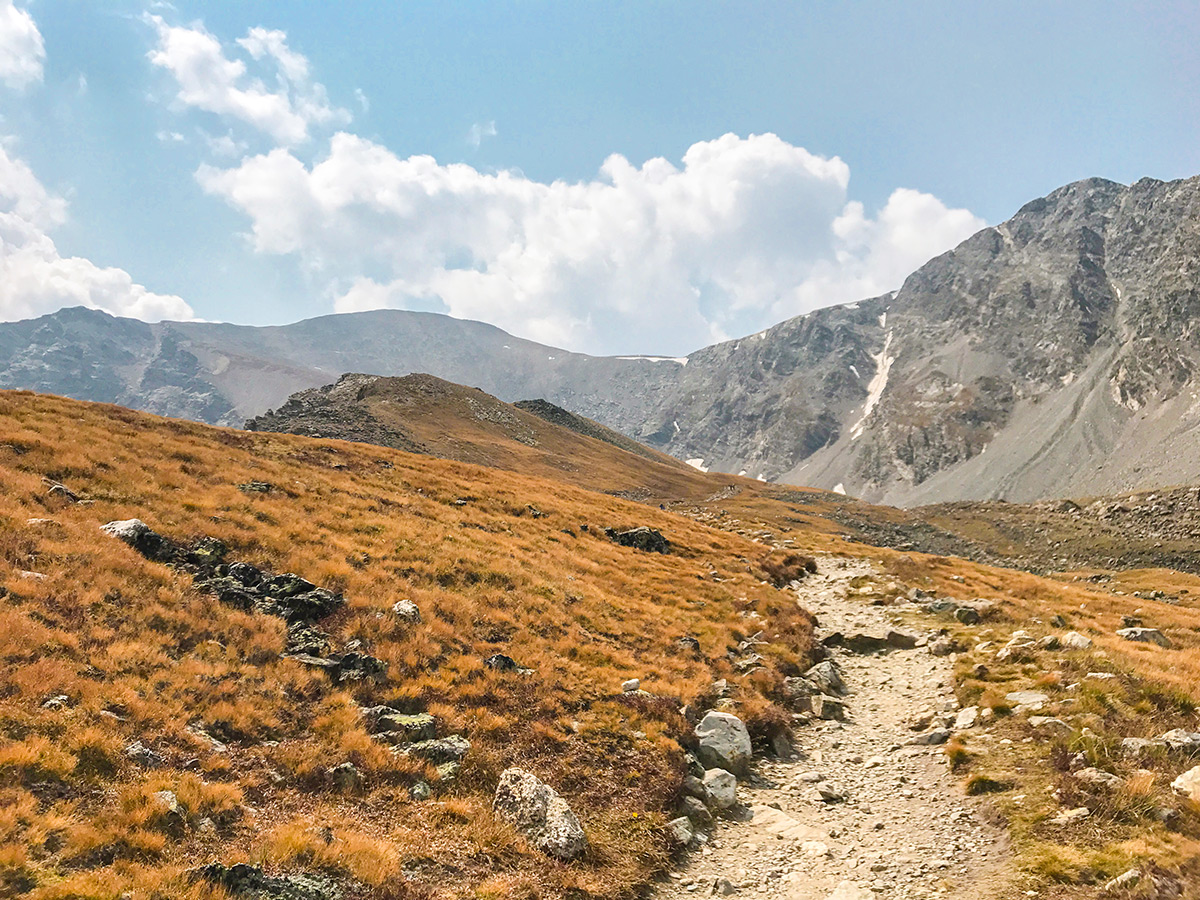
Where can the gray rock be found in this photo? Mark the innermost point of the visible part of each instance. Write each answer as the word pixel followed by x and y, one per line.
pixel 440 750
pixel 1144 635
pixel 967 616
pixel 1029 700
pixel 967 717
pixel 540 814
pixel 826 707
pixel 724 742
pixel 1181 739
pixel 720 787
pixel 828 792
pixel 930 738
pixel 1073 640
pixel 242 880
pixel 1098 778
pixel 680 831
pixel 420 791
pixel 826 677
pixel 1188 784
pixel 695 810
pixel 1049 723
pixel 143 755
pixel 630 686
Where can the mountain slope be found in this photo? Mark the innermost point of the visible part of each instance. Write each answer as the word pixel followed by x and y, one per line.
pixel 423 414
pixel 1052 354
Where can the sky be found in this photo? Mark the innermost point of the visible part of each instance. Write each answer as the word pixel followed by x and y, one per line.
pixel 616 178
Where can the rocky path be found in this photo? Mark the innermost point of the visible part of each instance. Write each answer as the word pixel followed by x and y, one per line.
pixel 903 828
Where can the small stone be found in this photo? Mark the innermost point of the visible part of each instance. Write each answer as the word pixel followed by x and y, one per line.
pixel 346 777
pixel 406 611
pixel 967 718
pixel 1030 700
pixel 826 707
pixel 1126 879
pixel 1070 816
pixel 633 684
pixel 930 738
pixel 420 791
pixel 1098 778
pixel 1049 723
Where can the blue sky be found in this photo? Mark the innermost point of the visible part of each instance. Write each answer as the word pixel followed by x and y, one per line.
pixel 814 152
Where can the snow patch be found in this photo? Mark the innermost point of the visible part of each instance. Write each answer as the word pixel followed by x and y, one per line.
pixel 742 474
pixel 762 477
pixel 676 424
pixel 883 319
pixel 839 488
pixel 883 365
pixel 854 369
pixel 697 464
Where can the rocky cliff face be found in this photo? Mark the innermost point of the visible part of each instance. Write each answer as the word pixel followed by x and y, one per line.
pixel 1053 354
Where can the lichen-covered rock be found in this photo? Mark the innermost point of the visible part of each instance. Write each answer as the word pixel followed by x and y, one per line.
pixel 724 742
pixel 540 814
pixel 138 535
pixel 649 540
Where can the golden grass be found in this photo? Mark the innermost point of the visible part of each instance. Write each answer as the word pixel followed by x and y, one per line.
pixel 141 655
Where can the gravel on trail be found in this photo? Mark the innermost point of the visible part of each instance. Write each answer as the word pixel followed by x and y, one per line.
pixel 903 828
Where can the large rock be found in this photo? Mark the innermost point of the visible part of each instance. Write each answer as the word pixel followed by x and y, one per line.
pixel 138 535
pixel 724 742
pixel 826 677
pixel 642 538
pixel 539 813
pixel 1144 635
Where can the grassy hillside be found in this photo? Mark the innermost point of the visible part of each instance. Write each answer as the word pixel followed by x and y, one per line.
pixel 101 648
pixel 425 414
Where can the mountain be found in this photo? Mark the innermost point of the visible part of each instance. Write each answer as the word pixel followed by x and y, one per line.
pixel 1053 354
pixel 423 414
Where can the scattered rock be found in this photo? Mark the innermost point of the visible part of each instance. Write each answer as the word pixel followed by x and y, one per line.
pixel 630 686
pixel 848 890
pixel 695 810
pixel 169 813
pixel 642 538
pixel 828 792
pixel 440 750
pixel 1188 784
pixel 1181 739
pixel 1135 746
pixel 420 791
pixel 1073 640
pixel 138 535
pixel 680 831
pixel 967 717
pixel 142 755
pixel 1098 778
pixel 540 814
pixel 724 742
pixel 256 487
pixel 501 663
pixel 1027 700
pixel 1070 816
pixel 826 707
pixel 967 616
pixel 1144 635
pixel 720 787
pixel 826 677
pixel 930 738
pixel 942 646
pixel 398 726
pixel 406 611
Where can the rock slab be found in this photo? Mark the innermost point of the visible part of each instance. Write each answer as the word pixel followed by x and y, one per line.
pixel 539 813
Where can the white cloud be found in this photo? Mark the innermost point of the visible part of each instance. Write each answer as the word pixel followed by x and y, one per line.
pixel 479 131
pixel 21 48
pixel 657 258
pixel 212 81
pixel 35 279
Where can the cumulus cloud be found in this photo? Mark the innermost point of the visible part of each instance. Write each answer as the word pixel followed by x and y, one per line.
pixel 208 79
pixel 21 48
pixel 653 258
pixel 35 279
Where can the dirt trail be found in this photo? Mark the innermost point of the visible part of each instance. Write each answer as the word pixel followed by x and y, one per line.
pixel 904 829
